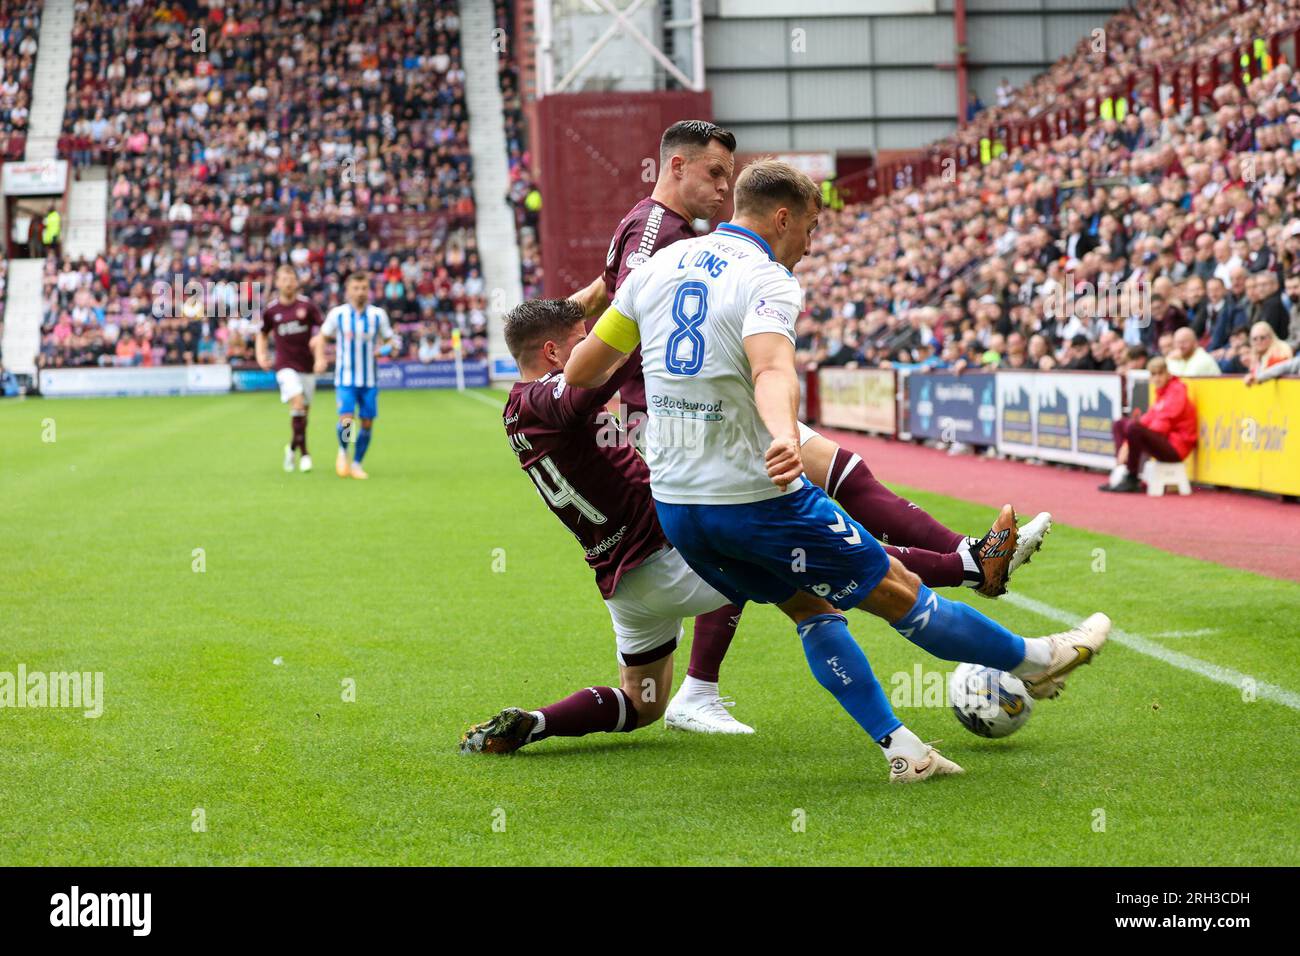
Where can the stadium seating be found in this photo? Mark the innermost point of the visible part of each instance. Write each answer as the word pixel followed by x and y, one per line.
pixel 987 264
pixel 20 25
pixel 521 177
pixel 243 135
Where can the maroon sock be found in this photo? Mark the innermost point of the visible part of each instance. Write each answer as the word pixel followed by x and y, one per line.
pixel 299 431
pixel 589 711
pixel 713 634
pixel 886 516
pixel 935 570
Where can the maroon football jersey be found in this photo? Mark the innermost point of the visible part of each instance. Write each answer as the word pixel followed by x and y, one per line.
pixel 598 486
pixel 292 325
pixel 646 229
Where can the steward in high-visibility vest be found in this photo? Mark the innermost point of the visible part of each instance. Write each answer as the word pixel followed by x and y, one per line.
pixel 53 225
pixel 831 196
pixel 1113 109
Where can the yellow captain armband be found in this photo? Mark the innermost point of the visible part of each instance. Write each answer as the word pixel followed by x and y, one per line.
pixel 617 331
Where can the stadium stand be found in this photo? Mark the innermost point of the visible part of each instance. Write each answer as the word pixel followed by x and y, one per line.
pixel 20 25
pixel 522 184
pixel 238 136
pixel 1010 246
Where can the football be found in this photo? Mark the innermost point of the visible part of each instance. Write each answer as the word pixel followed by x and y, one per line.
pixel 987 701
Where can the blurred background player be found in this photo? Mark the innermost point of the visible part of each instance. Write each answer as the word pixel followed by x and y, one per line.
pixel 696 164
pixel 294 321
pixel 357 328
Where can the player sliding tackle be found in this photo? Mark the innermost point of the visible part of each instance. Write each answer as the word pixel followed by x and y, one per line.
pixel 714 317
pixel 696 164
pixel 600 490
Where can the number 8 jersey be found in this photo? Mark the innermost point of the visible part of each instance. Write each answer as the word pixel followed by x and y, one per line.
pixel 693 304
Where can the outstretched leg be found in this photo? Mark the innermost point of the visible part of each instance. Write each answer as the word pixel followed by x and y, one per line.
pixel 940 556
pixel 953 631
pixel 638 701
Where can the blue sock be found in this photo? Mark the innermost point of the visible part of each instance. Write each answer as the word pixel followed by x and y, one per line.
pixel 363 442
pixel 954 631
pixel 343 431
pixel 840 666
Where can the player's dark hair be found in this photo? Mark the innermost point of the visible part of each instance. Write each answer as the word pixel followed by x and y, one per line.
pixel 531 323
pixel 359 275
pixel 767 184
pixel 693 134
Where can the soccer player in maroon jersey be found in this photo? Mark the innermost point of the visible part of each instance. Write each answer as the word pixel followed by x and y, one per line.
pixel 294 321
pixel 594 480
pixel 696 163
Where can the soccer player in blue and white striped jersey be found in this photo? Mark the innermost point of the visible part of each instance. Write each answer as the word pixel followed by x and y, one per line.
pixel 358 328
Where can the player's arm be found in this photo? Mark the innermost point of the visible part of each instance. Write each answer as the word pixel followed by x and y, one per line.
pixel 329 330
pixel 595 358
pixel 260 350
pixel 776 394
pixel 594 299
pixel 317 344
pixel 386 333
pixel 768 337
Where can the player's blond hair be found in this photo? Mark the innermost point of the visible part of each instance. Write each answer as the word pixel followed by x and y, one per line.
pixel 767 184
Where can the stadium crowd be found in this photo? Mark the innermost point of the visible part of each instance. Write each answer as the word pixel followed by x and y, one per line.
pixel 240 134
pixel 1091 250
pixel 524 196
pixel 20 26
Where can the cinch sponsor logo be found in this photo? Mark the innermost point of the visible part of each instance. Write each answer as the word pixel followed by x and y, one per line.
pixel 103 909
pixel 55 689
pixel 772 313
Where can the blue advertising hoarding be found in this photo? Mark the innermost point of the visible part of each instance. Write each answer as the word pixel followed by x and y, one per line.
pixel 951 407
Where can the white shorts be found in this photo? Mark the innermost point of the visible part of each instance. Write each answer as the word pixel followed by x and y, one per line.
pixel 294 383
pixel 650 601
pixel 805 433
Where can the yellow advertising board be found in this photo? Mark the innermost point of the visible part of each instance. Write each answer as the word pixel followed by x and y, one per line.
pixel 1248 436
pixel 859 398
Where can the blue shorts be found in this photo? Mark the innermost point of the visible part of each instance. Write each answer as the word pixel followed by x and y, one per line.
pixel 766 550
pixel 358 400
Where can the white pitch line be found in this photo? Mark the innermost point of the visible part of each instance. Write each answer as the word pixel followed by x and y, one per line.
pixel 1199 632
pixel 498 405
pixel 1136 642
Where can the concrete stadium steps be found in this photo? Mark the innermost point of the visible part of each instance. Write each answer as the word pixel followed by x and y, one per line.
pixel 22 316
pixel 498 242
pixel 85 229
pixel 50 83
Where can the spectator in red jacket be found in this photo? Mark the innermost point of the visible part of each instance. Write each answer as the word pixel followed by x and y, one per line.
pixel 1167 431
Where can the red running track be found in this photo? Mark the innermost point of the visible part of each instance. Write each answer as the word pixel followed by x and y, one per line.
pixel 1239 530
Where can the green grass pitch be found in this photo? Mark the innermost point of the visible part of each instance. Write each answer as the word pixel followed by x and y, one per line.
pixel 397 585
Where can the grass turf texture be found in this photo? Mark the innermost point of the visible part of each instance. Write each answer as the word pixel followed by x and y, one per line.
pixel 391 583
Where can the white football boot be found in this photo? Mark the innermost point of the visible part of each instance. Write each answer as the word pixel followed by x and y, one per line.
pixel 911 770
pixel 703 715
pixel 1029 540
pixel 288 458
pixel 304 463
pixel 1070 649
